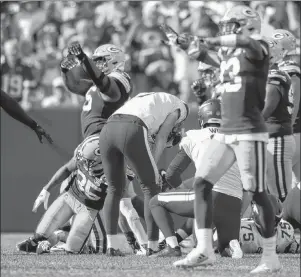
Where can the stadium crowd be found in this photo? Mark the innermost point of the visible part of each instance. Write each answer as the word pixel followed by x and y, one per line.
pixel 40 31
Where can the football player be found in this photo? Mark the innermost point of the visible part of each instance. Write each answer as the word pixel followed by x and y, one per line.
pixel 83 200
pixel 276 112
pixel 126 136
pixel 12 107
pixel 251 233
pixel 227 191
pixel 243 59
pixel 288 43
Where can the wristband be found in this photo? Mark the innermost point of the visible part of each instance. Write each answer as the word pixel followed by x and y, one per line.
pixel 64 70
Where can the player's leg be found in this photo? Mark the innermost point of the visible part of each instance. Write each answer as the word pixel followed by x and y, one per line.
pixel 296 161
pixel 280 151
pixel 81 227
pixel 185 230
pixel 251 160
pixel 110 137
pixel 226 219
pixel 218 158
pixel 291 207
pixel 162 205
pixel 57 214
pixel 98 238
pixel 138 153
pixel 138 204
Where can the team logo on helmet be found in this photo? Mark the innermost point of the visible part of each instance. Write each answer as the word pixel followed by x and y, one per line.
pixel 278 36
pixel 249 13
pixel 113 49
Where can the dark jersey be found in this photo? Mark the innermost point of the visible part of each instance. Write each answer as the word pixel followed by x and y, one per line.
pixel 292 69
pixel 15 79
pixel 244 82
pixel 96 111
pixel 89 184
pixel 280 121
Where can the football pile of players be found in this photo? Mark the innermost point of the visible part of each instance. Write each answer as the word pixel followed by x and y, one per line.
pixel 245 194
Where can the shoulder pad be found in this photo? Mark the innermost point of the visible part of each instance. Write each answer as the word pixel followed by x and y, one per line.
pixel 290 67
pixel 276 77
pixel 123 78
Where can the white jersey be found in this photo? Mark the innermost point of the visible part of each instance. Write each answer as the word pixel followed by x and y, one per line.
pixel 251 239
pixel 195 144
pixel 153 108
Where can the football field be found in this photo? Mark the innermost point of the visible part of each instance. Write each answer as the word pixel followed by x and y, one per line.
pixel 18 264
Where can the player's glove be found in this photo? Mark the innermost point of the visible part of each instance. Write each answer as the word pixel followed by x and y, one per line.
pixel 198 87
pixel 42 133
pixel 42 198
pixel 68 63
pixel 76 49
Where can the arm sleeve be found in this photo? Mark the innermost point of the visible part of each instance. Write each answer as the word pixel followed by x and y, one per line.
pixel 178 165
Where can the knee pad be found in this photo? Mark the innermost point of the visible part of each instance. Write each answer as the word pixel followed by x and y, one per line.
pixel 127 209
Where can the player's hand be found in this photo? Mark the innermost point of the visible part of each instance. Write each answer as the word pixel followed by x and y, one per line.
pixel 196 47
pixel 163 183
pixel 76 49
pixel 41 133
pixel 42 198
pixel 68 63
pixel 198 87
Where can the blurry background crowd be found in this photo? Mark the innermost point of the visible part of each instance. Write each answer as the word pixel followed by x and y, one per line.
pixel 35 34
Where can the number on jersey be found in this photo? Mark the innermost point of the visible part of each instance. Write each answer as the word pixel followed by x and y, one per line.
pixel 248 236
pixel 232 67
pixel 13 85
pixel 88 103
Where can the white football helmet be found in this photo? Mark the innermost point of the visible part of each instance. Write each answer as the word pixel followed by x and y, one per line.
pixel 276 51
pixel 286 39
pixel 108 58
pixel 89 155
pixel 240 19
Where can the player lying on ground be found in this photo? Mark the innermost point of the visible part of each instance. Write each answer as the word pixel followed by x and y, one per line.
pixel 15 111
pixel 243 58
pixel 277 113
pixel 227 191
pixel 251 233
pixel 126 136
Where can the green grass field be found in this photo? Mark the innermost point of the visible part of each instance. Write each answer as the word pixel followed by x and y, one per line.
pixel 18 264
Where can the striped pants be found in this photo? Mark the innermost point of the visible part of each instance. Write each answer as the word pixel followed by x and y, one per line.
pixel 296 161
pixel 280 152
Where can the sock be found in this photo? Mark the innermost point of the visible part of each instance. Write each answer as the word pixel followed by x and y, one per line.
pixel 269 246
pixel 152 245
pixel 181 235
pixel 161 236
pixel 113 241
pixel 204 238
pixel 172 241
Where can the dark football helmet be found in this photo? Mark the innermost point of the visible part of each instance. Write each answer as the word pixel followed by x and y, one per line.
pixel 209 113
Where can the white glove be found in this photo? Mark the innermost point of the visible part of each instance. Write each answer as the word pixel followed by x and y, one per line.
pixel 43 197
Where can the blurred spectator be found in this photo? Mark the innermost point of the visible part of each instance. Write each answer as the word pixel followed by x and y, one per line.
pixel 17 78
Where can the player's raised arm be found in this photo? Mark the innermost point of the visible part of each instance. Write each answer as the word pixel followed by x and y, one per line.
pixel 72 82
pixel 16 112
pixel 105 59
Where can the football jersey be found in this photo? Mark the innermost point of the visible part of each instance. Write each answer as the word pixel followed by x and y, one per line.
pixel 15 80
pixel 251 239
pixel 292 69
pixel 280 122
pixel 195 144
pixel 89 185
pixel 96 111
pixel 244 84
pixel 153 108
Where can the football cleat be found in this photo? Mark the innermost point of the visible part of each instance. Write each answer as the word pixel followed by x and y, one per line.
pixel 43 247
pixel 142 251
pixel 168 252
pixel 196 258
pixel 233 251
pixel 28 245
pixel 162 245
pixel 114 252
pixel 267 265
pixel 150 252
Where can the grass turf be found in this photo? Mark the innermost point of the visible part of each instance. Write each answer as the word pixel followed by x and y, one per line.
pixel 14 263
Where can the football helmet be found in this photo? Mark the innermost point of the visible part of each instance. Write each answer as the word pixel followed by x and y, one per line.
pixel 208 74
pixel 209 113
pixel 88 154
pixel 286 39
pixel 276 50
pixel 108 58
pixel 240 20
